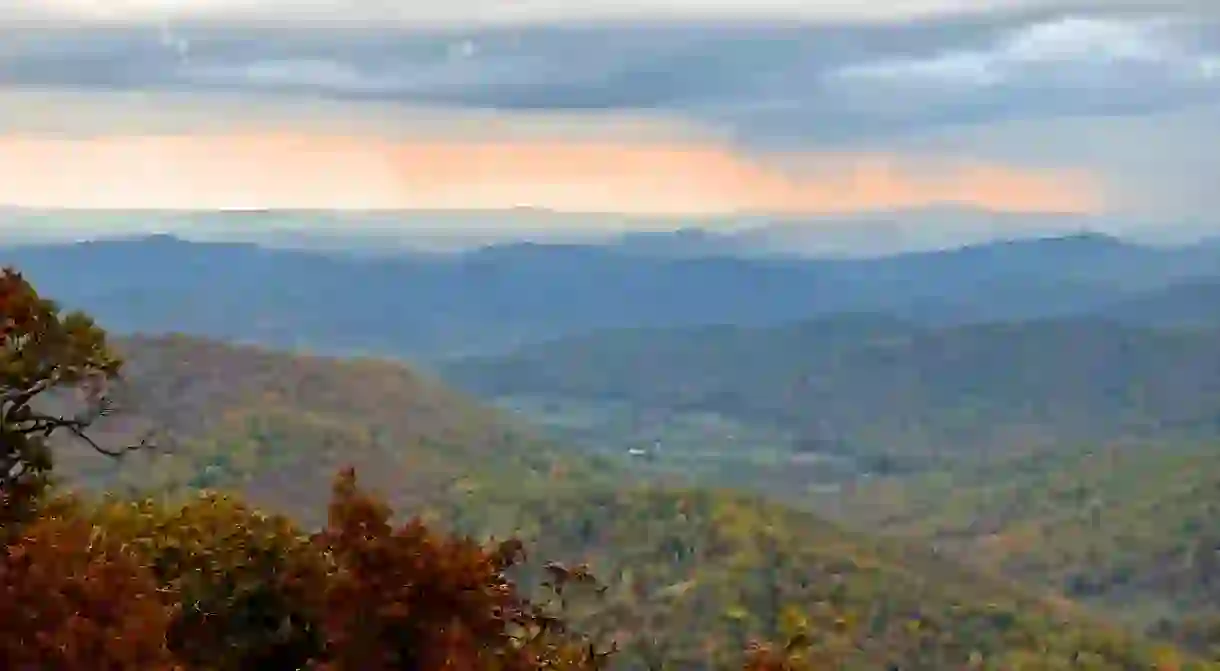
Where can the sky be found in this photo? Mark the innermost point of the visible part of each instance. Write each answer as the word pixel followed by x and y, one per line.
pixel 677 108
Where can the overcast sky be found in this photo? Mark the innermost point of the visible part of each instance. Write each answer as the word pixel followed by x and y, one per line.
pixel 468 12
pixel 661 106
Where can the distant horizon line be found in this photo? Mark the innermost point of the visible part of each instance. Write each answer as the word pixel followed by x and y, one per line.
pixel 947 207
pixel 595 238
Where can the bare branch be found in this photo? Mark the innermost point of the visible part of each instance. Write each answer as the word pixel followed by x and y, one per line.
pixel 35 423
pixel 21 397
pixel 80 434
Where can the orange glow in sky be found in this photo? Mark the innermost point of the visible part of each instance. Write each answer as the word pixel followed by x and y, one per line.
pixel 314 171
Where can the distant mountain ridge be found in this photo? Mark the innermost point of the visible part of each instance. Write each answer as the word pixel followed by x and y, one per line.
pixel 379 233
pixel 499 297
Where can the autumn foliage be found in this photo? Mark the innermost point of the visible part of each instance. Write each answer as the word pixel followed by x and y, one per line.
pixel 215 585
pixel 408 598
pixel 211 583
pixel 73 598
pixel 243 584
pixel 767 658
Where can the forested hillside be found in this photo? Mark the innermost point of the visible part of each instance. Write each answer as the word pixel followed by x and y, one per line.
pixel 880 384
pixel 1078 455
pixel 1127 528
pixel 280 425
pixel 688 577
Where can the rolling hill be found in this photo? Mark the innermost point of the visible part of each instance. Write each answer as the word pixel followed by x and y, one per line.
pixel 723 568
pixel 1108 522
pixel 690 573
pixel 861 384
pixel 280 425
pixel 1128 528
pixel 1191 303
pixel 1078 455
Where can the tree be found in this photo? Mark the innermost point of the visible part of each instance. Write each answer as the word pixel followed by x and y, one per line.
pixel 72 598
pixel 246 583
pixel 44 356
pixel 407 597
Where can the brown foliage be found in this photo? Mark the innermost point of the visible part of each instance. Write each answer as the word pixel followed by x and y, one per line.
pixel 72 599
pixel 408 598
pixel 764 657
pixel 214 585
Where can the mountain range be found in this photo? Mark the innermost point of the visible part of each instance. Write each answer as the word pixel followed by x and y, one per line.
pixel 494 298
pixel 986 440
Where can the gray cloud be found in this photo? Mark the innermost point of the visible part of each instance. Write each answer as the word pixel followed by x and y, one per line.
pixel 1084 53
pixel 467 13
pixel 769 83
pixel 1129 88
pixel 421 13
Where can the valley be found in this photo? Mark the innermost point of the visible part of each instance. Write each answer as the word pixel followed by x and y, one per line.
pixel 915 492
pixel 675 555
pixel 666 335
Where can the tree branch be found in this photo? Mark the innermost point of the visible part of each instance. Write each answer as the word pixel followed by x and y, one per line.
pixel 80 434
pixel 37 423
pixel 17 398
